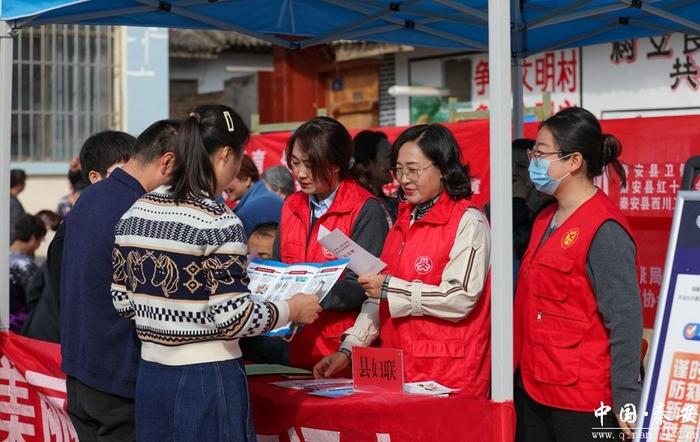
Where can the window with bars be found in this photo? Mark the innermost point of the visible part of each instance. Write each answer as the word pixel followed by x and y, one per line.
pixel 64 90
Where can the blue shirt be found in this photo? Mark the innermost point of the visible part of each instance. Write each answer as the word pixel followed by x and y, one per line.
pixel 258 206
pixel 99 347
pixel 321 207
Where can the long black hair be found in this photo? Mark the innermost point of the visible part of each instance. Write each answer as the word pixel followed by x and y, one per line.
pixel 206 130
pixel 577 130
pixel 438 144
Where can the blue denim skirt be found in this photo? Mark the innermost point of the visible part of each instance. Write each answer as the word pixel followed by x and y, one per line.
pixel 198 402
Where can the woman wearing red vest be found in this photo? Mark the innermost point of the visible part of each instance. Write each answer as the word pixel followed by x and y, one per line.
pixel 320 156
pixel 578 314
pixel 432 300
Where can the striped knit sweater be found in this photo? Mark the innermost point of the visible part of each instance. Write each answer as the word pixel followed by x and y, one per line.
pixel 179 273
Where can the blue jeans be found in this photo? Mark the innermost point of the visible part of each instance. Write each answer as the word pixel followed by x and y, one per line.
pixel 207 402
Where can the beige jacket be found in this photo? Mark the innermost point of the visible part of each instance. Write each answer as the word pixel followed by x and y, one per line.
pixel 460 287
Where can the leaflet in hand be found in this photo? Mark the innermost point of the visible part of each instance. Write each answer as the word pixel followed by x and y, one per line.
pixel 361 261
pixel 276 281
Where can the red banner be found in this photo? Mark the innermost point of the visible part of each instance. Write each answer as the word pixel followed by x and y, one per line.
pixel 33 398
pixel 32 391
pixel 654 153
pixel 267 151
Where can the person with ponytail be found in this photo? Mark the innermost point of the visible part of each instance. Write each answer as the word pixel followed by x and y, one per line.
pixel 578 313
pixel 179 272
pixel 319 153
pixel 432 300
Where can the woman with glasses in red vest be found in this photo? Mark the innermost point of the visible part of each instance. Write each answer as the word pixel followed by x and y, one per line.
pixel 578 314
pixel 432 301
pixel 319 154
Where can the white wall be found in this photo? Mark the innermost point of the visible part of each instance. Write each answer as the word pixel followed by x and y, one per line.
pixel 211 73
pixel 634 86
pixel 43 192
pixel 638 87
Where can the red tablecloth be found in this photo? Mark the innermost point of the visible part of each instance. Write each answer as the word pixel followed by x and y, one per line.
pixel 294 415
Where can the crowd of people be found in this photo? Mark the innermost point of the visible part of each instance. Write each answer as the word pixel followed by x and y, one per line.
pixel 144 284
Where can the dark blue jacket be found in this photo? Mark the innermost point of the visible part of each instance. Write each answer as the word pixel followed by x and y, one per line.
pixel 99 347
pixel 258 206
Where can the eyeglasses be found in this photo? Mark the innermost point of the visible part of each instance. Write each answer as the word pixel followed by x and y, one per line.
pixel 536 154
pixel 411 174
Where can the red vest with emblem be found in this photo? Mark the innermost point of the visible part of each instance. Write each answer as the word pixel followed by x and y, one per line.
pixel 561 343
pixel 297 244
pixel 455 354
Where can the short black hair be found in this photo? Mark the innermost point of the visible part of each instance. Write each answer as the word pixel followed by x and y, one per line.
pixel 366 144
pixel 523 144
pixel 105 149
pixel 18 177
pixel 156 140
pixel 439 145
pixel 265 229
pixel 49 218
pixel 327 143
pixel 248 170
pixel 28 226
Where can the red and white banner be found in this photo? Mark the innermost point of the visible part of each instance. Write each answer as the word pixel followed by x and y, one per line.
pixel 32 386
pixel 267 150
pixel 32 391
pixel 654 154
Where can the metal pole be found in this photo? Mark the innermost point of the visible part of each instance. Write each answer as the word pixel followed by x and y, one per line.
pixel 518 44
pixel 517 63
pixel 6 41
pixel 501 206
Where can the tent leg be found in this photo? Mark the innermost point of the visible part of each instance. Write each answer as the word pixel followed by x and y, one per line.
pixel 501 205
pixel 517 69
pixel 6 42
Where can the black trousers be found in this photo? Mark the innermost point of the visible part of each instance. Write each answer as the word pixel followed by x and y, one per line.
pixel 100 416
pixel 541 423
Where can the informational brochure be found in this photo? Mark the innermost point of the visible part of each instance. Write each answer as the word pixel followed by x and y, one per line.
pixel 276 281
pixel 361 261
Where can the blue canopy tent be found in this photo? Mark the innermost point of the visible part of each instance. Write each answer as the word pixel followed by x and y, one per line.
pixel 508 30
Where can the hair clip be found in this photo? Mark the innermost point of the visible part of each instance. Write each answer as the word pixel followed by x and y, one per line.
pixel 196 116
pixel 229 121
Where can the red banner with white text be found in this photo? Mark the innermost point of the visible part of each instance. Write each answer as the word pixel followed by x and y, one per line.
pixel 32 391
pixel 654 154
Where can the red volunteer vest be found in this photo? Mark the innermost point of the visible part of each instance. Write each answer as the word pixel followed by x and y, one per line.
pixel 457 354
pixel 561 343
pixel 321 338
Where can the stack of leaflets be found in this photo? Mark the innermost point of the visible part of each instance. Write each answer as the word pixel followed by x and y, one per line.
pixel 340 387
pixel 333 388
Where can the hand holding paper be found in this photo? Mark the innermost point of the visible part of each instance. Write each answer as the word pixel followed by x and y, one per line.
pixel 303 308
pixel 361 261
pixel 372 284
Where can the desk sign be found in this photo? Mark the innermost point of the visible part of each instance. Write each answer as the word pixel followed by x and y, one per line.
pixel 377 369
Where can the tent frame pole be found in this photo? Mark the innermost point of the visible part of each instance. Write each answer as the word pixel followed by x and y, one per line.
pixel 499 50
pixel 6 47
